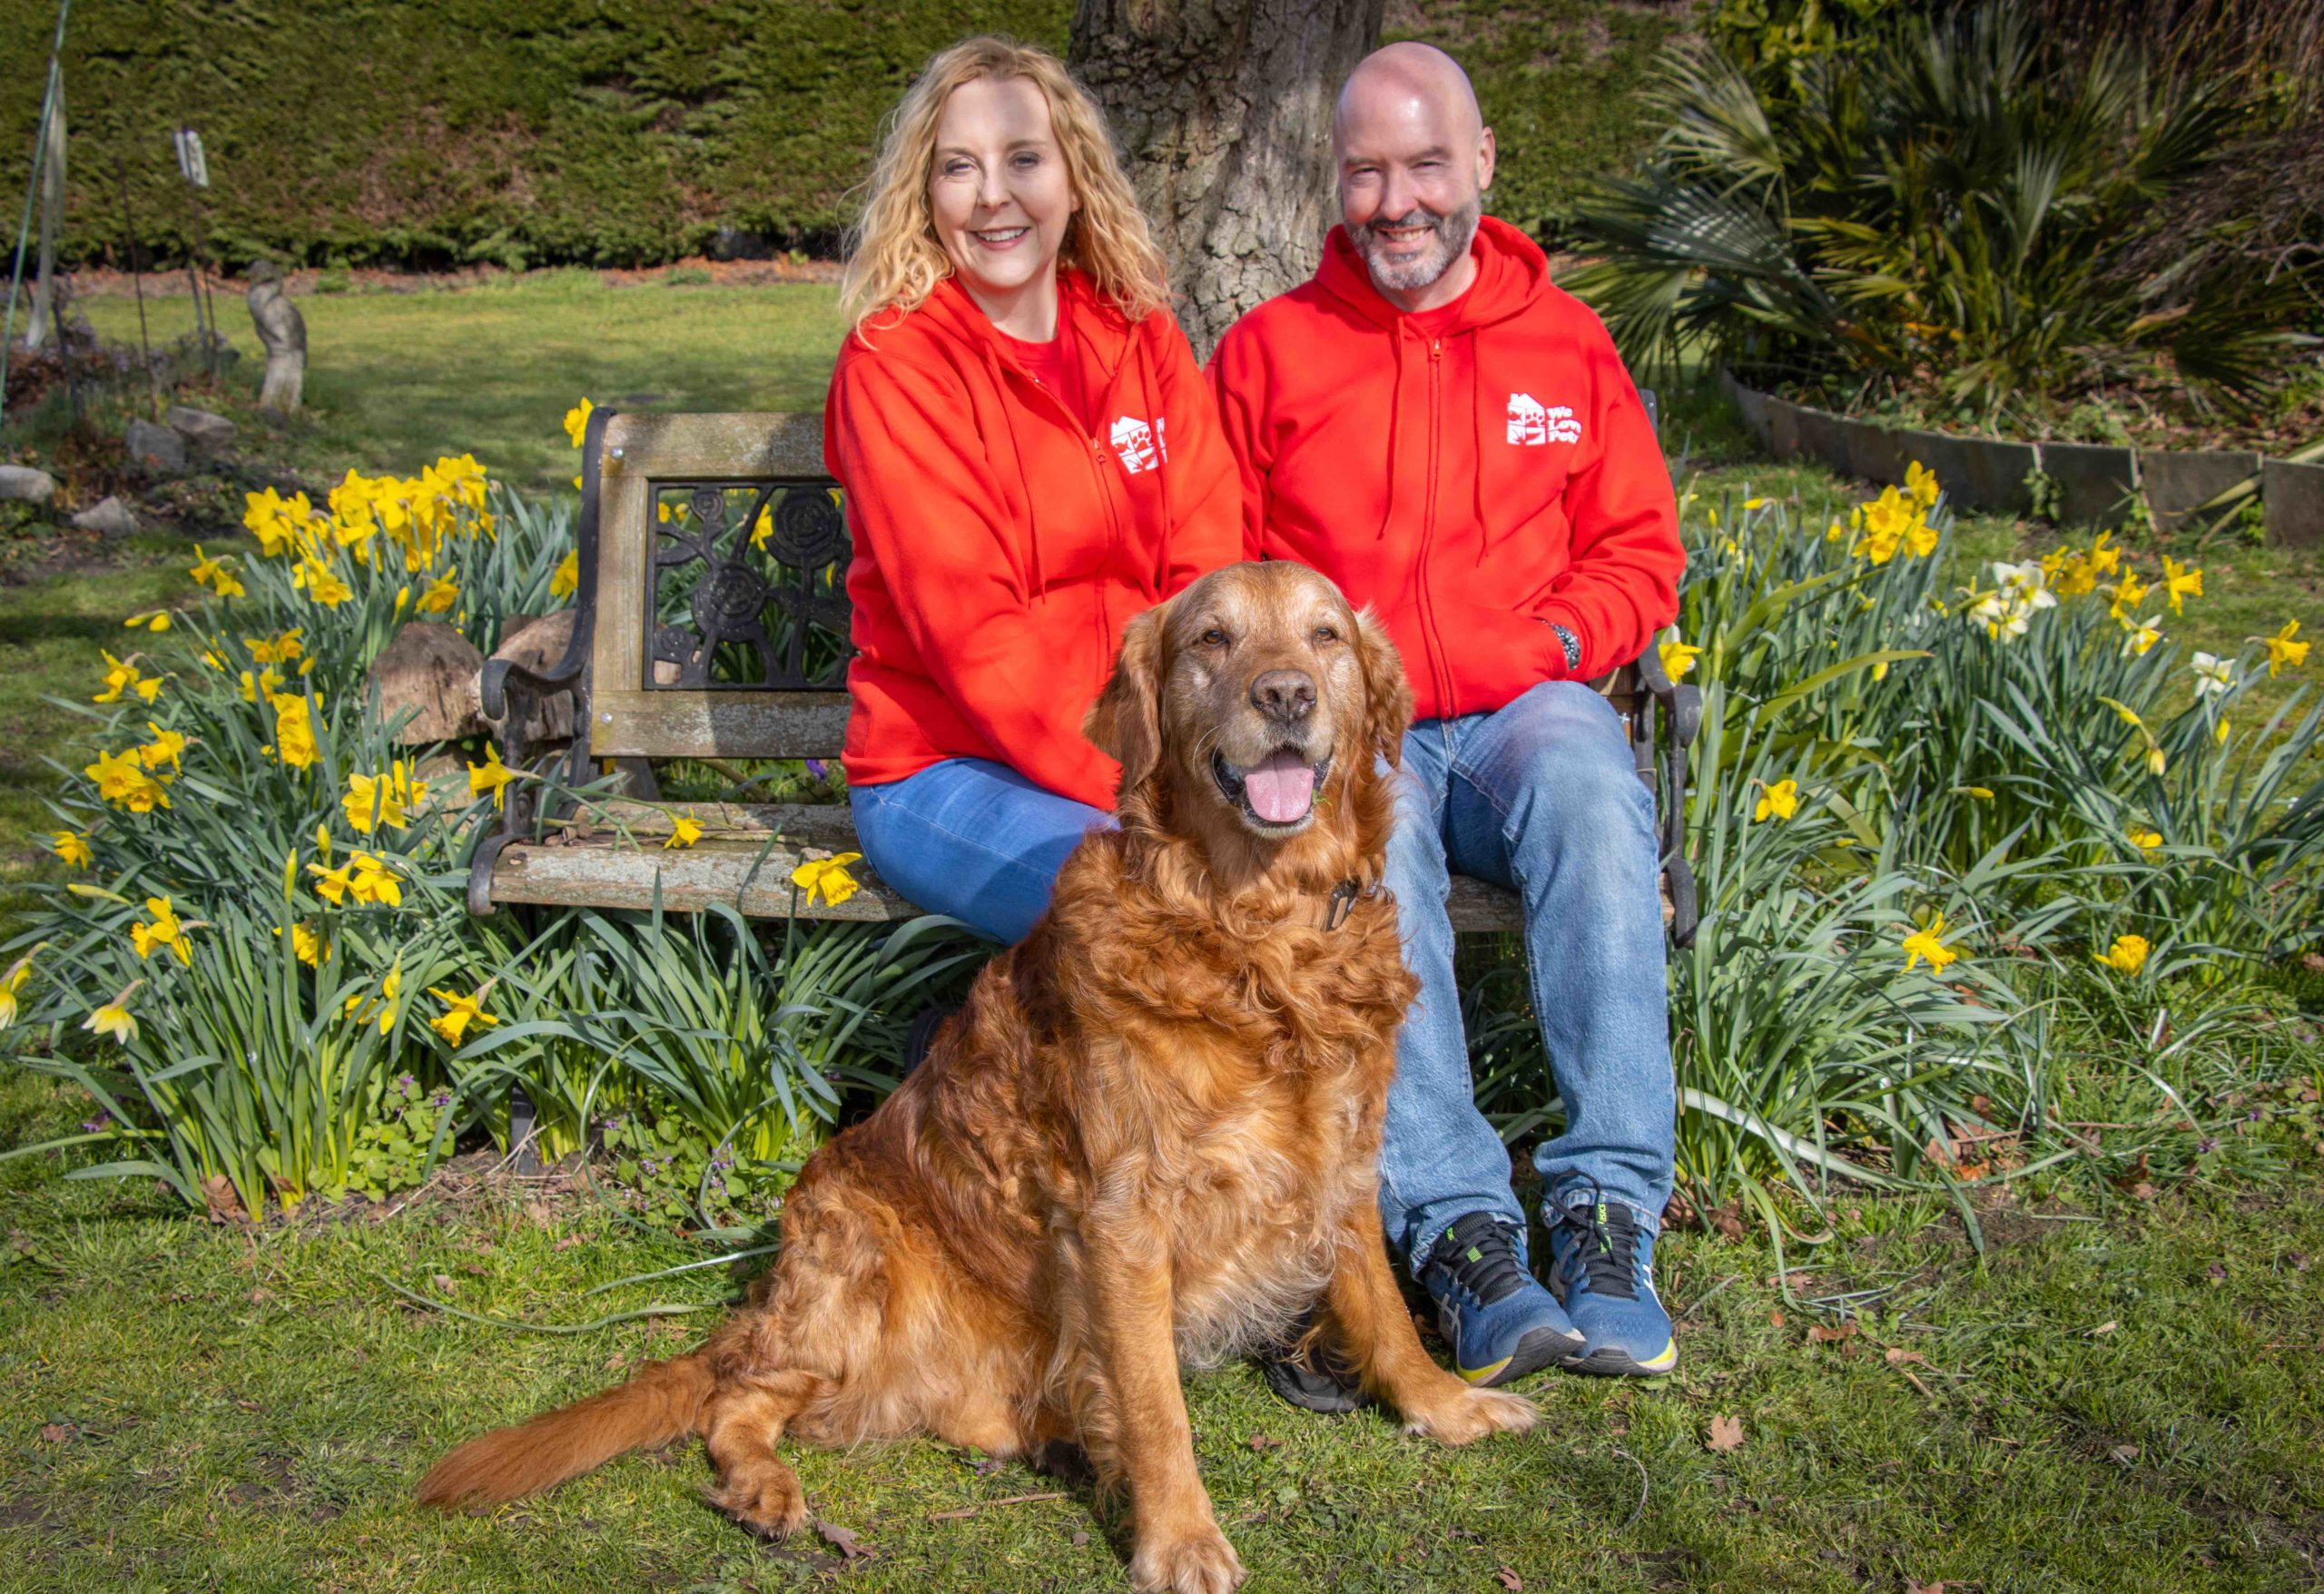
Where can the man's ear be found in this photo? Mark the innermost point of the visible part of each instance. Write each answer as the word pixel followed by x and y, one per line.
pixel 1126 722
pixel 1388 696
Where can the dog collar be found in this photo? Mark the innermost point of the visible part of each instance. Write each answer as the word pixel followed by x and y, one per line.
pixel 1332 910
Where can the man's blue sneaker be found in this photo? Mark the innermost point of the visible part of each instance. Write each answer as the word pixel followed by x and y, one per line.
pixel 1500 1322
pixel 1601 1269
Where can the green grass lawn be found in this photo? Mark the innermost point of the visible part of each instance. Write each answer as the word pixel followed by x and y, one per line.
pixel 2120 1397
pixel 395 380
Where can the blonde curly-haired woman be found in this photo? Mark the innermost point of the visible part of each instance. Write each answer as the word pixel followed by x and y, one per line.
pixel 1030 458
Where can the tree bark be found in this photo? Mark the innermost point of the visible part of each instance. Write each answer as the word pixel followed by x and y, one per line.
pixel 1223 109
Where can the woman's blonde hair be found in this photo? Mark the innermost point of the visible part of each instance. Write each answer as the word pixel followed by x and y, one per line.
pixel 893 258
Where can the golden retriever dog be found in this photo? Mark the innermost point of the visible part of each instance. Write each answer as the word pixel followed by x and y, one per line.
pixel 1147 1143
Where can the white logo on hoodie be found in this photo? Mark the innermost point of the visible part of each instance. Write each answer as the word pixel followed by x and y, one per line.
pixel 1140 447
pixel 1531 424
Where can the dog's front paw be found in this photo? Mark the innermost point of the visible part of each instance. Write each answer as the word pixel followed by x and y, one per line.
pixel 1471 1415
pixel 1198 1560
pixel 767 1498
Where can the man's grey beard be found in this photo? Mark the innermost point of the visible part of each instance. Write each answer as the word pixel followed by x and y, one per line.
pixel 1451 241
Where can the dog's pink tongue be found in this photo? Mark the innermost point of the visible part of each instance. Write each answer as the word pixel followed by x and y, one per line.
pixel 1282 789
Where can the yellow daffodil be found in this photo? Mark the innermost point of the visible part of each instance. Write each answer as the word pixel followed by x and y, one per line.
pixel 166 932
pixel 566 579
pixel 1753 503
pixel 2103 560
pixel 2143 839
pixel 113 1018
pixel 465 1010
pixel 72 849
pixel 1835 532
pixel 1780 799
pixel 1924 943
pixel 363 1006
pixel 2179 582
pixel 321 583
pixel 1982 793
pixel 388 798
pixel 374 882
pixel 2143 635
pixel 1920 481
pixel 492 776
pixel 441 594
pixel 332 884
pixel 761 528
pixel 279 648
pixel 10 985
pixel 827 878
pixel 305 944
pixel 1892 521
pixel 2213 675
pixel 2127 955
pixel 685 832
pixel 294 731
pixel 576 421
pixel 2128 593
pixel 167 747
pixel 1678 658
pixel 2284 652
pixel 121 677
pixel 213 572
pixel 151 620
pixel 122 778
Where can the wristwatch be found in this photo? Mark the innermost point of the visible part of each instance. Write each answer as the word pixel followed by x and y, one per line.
pixel 1572 648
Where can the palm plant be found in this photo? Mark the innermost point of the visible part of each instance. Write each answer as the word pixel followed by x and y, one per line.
pixel 1946 208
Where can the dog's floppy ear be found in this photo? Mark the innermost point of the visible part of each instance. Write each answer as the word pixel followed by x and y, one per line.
pixel 1388 696
pixel 1126 722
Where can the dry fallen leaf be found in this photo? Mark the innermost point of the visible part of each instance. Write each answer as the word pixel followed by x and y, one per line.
pixel 55 1432
pixel 1824 1336
pixel 2314 961
pixel 1725 1434
pixel 1899 1356
pixel 2124 1453
pixel 442 1281
pixel 1913 1588
pixel 1265 1442
pixel 841 1540
pixel 1511 1580
pixel 218 1195
pixel 1775 1318
pixel 1079 1538
pixel 2109 1326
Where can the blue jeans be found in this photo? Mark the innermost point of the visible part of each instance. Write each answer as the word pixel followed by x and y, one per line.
pixel 972 839
pixel 1540 796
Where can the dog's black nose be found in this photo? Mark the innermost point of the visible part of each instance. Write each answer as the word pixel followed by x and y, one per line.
pixel 1284 696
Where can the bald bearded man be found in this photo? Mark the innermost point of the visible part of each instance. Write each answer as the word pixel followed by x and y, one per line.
pixel 1455 442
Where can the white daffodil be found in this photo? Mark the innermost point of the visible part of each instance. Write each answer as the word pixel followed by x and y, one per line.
pixel 2213 674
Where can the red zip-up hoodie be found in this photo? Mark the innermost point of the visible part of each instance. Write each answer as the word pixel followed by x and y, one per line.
pixel 1477 473
pixel 1001 545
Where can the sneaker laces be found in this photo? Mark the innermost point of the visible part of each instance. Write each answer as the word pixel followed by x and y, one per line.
pixel 1606 1250
pixel 1480 1251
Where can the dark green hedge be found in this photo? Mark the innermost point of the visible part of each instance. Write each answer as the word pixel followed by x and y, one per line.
pixel 524 132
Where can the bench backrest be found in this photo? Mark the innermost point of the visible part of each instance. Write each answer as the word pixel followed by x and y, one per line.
pixel 720 622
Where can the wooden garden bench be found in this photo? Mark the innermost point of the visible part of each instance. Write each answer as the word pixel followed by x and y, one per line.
pixel 712 622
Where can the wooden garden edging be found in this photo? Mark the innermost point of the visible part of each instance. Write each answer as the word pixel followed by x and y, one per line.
pixel 2094 480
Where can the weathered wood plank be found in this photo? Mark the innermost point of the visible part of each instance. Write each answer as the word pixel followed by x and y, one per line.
pixel 624 556
pixel 729 723
pixel 750 443
pixel 755 880
pixel 734 864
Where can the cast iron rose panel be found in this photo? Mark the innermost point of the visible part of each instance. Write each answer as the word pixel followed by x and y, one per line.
pixel 796 571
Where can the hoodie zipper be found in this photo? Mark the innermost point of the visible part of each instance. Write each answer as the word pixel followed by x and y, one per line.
pixel 1436 666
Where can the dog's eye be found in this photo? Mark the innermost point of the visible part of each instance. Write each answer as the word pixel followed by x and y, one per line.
pixel 1213 637
pixel 1326 634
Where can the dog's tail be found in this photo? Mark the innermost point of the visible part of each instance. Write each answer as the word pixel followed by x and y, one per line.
pixel 662 1403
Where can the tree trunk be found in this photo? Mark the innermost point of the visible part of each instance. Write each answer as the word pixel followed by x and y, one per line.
pixel 1223 109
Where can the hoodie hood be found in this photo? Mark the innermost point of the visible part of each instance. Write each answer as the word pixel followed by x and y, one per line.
pixel 1512 273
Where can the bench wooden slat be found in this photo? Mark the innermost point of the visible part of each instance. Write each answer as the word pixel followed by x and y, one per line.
pixel 606 870
pixel 716 724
